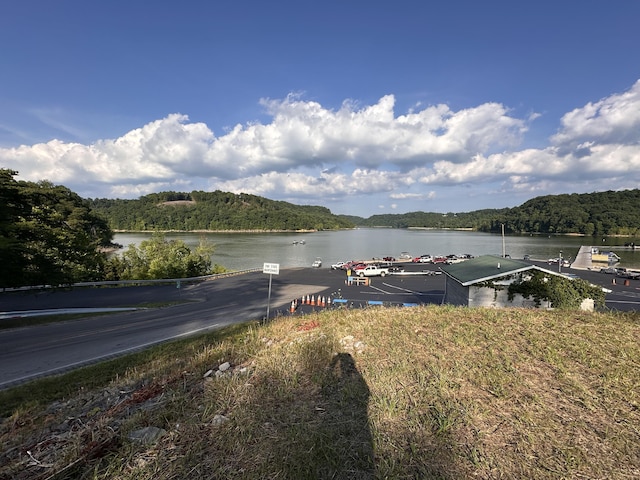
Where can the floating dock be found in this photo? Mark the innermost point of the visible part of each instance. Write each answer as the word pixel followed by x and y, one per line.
pixel 589 258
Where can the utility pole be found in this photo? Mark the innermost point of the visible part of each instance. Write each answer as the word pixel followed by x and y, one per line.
pixel 560 262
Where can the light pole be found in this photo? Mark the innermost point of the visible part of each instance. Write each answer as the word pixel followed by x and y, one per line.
pixel 560 263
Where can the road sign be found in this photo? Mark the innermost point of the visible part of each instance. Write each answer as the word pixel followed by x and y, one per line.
pixel 271 268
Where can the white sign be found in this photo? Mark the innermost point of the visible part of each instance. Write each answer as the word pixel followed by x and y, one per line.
pixel 271 268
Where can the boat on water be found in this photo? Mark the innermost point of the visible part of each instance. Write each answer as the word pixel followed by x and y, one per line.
pixel 299 242
pixel 609 258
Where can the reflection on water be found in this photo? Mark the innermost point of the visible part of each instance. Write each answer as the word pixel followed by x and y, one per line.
pixel 238 251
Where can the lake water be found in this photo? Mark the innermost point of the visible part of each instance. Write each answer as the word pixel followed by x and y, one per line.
pixel 239 251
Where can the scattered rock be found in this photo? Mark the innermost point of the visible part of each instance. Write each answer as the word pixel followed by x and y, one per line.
pixel 147 435
pixel 224 367
pixel 207 373
pixel 219 420
pixel 351 344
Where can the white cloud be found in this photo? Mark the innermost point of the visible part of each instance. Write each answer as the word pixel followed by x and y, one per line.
pixel 311 153
pixel 413 196
pixel 615 119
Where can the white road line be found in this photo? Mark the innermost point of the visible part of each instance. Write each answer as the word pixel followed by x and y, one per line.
pixel 403 289
pixel 380 290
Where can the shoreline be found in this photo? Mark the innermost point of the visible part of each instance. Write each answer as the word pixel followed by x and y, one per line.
pixel 462 229
pixel 216 231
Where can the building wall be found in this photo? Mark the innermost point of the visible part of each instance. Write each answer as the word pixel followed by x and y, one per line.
pixel 456 294
pixel 477 296
pixel 489 297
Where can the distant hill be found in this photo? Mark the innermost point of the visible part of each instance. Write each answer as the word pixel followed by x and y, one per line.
pixel 213 211
pixel 600 213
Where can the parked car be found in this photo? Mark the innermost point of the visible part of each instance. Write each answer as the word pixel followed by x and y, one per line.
pixel 389 259
pixel 396 269
pixel 372 271
pixel 624 273
pixel 555 261
pixel 609 270
pixel 405 256
pixel 317 263
pixel 337 265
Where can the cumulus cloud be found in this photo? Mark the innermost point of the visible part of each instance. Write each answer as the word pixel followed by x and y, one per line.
pixel 310 152
pixel 327 185
pixel 615 119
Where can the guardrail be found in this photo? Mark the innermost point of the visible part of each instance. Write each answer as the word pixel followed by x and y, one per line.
pixel 160 281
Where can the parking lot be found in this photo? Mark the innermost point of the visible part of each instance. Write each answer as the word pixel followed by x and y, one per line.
pixel 414 288
pixel 421 284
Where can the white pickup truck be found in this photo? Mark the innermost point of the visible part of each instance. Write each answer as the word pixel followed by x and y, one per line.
pixel 373 271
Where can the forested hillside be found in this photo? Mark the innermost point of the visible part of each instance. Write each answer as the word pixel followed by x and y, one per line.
pixel 48 235
pixel 477 220
pixel 213 211
pixel 601 213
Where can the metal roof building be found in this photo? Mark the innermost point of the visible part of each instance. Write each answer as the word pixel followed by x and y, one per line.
pixel 483 282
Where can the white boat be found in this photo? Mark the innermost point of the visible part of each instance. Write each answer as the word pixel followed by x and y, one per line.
pixel 317 263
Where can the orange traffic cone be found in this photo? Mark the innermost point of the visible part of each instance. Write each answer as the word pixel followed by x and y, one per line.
pixel 293 307
pixel 313 300
pixel 323 302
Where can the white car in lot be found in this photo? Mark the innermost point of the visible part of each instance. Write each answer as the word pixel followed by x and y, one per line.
pixel 338 265
pixel 555 261
pixel 609 270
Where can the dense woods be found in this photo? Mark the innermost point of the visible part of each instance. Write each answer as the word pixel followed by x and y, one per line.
pixel 48 234
pixel 213 211
pixel 601 213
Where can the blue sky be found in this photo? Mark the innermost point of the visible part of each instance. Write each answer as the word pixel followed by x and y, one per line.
pixel 364 107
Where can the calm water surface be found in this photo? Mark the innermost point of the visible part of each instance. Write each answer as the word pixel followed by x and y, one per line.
pixel 239 251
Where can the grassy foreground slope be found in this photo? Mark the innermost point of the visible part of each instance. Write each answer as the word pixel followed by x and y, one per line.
pixel 428 392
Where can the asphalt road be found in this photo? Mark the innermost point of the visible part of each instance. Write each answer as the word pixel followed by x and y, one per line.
pixel 31 352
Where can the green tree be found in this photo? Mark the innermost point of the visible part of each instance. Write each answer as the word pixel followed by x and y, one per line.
pixel 562 292
pixel 48 234
pixel 13 208
pixel 159 258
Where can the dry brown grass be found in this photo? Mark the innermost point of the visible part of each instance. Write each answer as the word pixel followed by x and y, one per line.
pixel 433 392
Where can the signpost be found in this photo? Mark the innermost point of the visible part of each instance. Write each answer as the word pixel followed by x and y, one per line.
pixel 272 269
